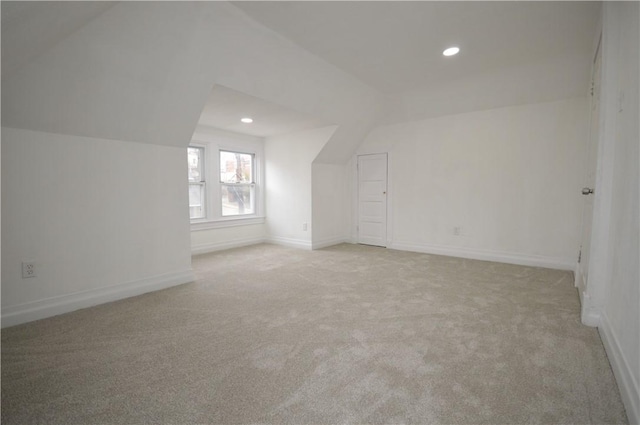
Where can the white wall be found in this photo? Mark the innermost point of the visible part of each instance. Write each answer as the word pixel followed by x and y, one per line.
pixel 210 240
pixel 92 214
pixel 288 175
pixel 331 207
pixel 613 289
pixel 510 178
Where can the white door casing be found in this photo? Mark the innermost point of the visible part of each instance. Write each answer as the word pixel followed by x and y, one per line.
pixel 582 275
pixel 372 199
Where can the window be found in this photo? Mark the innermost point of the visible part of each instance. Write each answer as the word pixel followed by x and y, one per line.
pixel 197 188
pixel 237 183
pixel 224 183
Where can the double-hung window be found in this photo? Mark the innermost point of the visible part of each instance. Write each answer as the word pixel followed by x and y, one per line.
pixel 224 183
pixel 237 183
pixel 197 183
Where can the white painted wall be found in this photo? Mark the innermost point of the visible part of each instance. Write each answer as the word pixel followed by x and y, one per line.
pixel 613 290
pixel 288 175
pixel 92 214
pixel 209 240
pixel 510 178
pixel 331 207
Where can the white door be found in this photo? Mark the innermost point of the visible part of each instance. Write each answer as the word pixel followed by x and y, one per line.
pixel 372 199
pixel 582 274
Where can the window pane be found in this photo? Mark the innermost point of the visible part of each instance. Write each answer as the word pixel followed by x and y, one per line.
pixel 236 167
pixel 237 199
pixel 196 200
pixel 195 157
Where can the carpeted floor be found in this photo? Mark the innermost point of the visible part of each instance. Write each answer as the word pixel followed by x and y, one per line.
pixel 349 334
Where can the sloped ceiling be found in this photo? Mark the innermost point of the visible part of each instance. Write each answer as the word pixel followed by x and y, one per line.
pixel 396 46
pixel 31 28
pixel 142 72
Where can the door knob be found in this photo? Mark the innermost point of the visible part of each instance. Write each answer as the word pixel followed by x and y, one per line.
pixel 587 191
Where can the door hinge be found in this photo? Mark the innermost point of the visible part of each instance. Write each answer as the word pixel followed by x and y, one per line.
pixel 579 255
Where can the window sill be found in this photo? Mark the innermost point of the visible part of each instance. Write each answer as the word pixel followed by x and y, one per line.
pixel 225 222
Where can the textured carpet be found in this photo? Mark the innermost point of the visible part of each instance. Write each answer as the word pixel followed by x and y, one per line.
pixel 348 334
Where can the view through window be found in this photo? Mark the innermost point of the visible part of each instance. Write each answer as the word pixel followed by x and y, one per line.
pixel 236 193
pixel 237 183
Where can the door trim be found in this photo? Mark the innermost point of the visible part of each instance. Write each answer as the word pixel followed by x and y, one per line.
pixel 355 200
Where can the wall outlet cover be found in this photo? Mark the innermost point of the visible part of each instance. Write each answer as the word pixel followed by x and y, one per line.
pixel 28 269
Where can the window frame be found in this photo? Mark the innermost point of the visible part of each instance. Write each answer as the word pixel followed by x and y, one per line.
pixel 202 183
pixel 251 185
pixel 213 196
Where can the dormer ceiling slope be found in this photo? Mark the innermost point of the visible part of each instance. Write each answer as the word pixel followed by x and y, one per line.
pixel 396 46
pixel 142 72
pixel 29 28
pixel 512 53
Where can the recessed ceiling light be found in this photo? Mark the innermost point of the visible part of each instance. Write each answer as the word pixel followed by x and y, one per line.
pixel 246 120
pixel 451 51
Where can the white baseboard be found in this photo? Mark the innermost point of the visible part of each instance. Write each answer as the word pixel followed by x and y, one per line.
pixel 590 316
pixel 290 242
pixel 219 246
pixel 323 243
pixel 23 313
pixel 589 313
pixel 580 283
pixel 628 386
pixel 578 277
pixel 487 255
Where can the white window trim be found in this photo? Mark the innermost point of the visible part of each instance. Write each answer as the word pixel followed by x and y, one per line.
pixel 197 225
pixel 214 218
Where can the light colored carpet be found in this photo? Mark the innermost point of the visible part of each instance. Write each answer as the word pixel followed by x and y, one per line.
pixel 348 334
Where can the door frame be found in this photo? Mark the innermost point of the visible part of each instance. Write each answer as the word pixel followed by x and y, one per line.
pixel 600 259
pixel 356 196
pixel 581 268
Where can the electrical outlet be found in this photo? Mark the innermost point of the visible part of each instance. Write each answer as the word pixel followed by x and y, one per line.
pixel 304 227
pixel 28 269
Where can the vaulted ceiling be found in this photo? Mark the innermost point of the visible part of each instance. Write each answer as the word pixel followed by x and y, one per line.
pixel 29 28
pixel 396 46
pixel 144 71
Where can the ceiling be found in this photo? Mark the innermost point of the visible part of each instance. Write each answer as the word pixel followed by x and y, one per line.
pixel 225 107
pixel 31 27
pixel 393 46
pixel 396 46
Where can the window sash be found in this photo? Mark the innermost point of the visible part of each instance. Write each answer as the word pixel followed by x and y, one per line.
pixel 198 211
pixel 241 194
pixel 252 168
pixel 225 202
pixel 200 167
